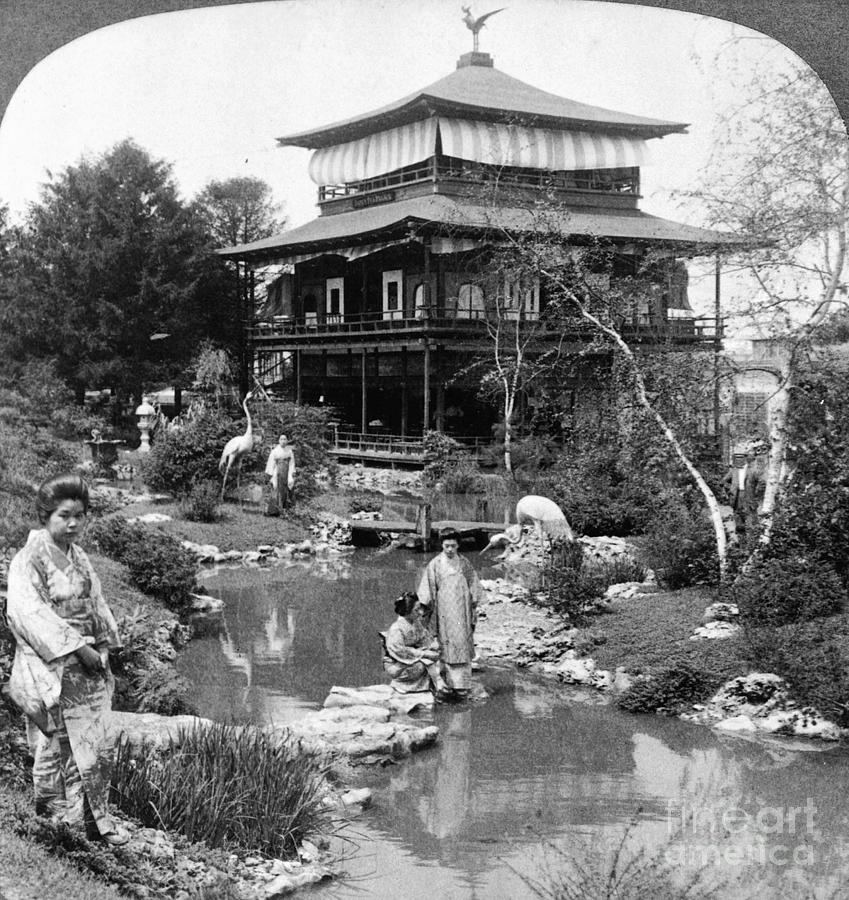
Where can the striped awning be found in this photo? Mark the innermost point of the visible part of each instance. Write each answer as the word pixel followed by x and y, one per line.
pixel 374 155
pixel 498 144
pixel 493 143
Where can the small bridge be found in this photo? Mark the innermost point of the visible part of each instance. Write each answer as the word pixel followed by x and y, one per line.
pixel 366 531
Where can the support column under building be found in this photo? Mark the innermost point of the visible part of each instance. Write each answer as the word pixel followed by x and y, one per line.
pixel 440 392
pixel 298 377
pixel 403 392
pixel 426 404
pixel 363 395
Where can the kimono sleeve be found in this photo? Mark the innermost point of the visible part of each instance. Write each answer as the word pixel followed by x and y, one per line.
pixel 32 619
pixel 427 589
pixel 105 627
pixel 271 463
pixel 473 582
pixel 399 649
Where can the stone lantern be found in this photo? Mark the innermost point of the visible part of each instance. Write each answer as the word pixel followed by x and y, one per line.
pixel 146 415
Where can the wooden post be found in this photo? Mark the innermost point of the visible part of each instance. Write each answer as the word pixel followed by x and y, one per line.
pixel 426 406
pixel 440 393
pixel 717 348
pixel 424 523
pixel 298 377
pixel 403 392
pixel 363 395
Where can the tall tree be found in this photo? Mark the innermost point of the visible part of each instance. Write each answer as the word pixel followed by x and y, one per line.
pixel 239 210
pixel 116 279
pixel 780 174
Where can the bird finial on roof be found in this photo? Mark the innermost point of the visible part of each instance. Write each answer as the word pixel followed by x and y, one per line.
pixel 475 24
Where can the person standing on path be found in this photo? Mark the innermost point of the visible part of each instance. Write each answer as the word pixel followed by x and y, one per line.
pixel 450 590
pixel 60 678
pixel 281 469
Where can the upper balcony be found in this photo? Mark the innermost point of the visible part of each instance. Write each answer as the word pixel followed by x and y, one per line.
pixel 430 323
pixel 597 187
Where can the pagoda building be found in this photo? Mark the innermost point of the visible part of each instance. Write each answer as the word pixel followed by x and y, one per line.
pixel 383 301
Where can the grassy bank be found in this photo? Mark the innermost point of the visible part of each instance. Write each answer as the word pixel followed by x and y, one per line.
pixel 239 528
pixel 651 631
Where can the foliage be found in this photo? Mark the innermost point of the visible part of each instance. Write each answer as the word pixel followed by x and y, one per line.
pixel 232 787
pixel 306 428
pixel 670 688
pixel 449 464
pixel 813 657
pixel 145 680
pixel 783 591
pixel 813 516
pixel 622 870
pixel 238 211
pixel 158 565
pixel 601 496
pixel 366 501
pixel 680 546
pixel 201 504
pixel 189 455
pixel 214 371
pixel 573 589
pixel 28 455
pixel 108 258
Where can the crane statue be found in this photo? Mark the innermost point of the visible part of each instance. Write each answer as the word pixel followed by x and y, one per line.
pixel 475 24
pixel 503 540
pixel 237 448
pixel 546 516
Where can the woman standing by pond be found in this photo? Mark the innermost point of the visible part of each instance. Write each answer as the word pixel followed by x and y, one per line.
pixel 450 589
pixel 280 467
pixel 60 677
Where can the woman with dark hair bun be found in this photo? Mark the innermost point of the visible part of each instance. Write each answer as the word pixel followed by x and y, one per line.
pixel 60 677
pixel 411 656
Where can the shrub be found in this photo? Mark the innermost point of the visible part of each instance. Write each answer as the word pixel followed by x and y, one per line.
pixel 572 589
pixel 180 459
pixel 157 563
pixel 599 495
pixel 232 787
pixel 813 657
pixel 201 504
pixel 783 591
pixel 670 688
pixel 366 502
pixel 681 547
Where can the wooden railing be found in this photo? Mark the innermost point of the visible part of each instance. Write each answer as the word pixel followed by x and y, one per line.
pixel 376 442
pixel 427 319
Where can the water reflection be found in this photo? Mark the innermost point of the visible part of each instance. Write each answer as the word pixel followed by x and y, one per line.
pixel 535 765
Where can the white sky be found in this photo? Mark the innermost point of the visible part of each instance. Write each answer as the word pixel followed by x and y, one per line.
pixel 209 90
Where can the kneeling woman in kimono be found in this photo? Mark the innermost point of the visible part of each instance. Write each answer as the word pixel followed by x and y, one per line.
pixel 60 677
pixel 411 655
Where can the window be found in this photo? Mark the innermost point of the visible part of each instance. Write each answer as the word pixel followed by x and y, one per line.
pixel 419 301
pixel 521 301
pixel 334 297
pixel 470 302
pixel 393 285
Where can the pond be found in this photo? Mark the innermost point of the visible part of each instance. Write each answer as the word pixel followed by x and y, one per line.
pixel 536 774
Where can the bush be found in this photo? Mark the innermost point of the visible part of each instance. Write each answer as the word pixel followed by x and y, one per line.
pixel 783 591
pixel 572 589
pixel 599 495
pixel 670 688
pixel 201 504
pixel 182 458
pixel 681 547
pixel 157 563
pixel 232 787
pixel 813 657
pixel 449 464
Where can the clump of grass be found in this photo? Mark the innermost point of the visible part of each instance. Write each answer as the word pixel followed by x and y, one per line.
pixel 231 787
pixel 624 872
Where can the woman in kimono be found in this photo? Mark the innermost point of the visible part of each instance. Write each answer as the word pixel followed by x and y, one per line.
pixel 280 467
pixel 449 590
pixel 411 655
pixel 60 676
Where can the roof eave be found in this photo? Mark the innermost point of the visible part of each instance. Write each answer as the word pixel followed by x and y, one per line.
pixel 426 105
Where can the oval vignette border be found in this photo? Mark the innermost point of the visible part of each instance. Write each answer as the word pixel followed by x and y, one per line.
pixel 816 30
